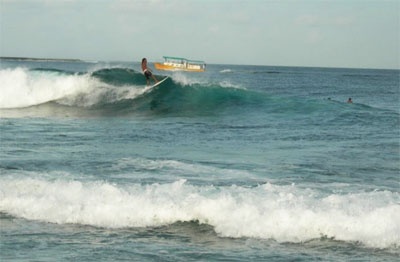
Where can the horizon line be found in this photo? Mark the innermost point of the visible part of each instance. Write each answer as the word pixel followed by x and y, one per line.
pixel 16 58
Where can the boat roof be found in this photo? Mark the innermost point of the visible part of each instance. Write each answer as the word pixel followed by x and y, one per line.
pixel 181 58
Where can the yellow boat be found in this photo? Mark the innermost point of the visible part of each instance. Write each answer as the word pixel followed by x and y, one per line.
pixel 180 64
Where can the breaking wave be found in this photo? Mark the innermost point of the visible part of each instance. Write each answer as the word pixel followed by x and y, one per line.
pixel 116 91
pixel 283 213
pixel 113 88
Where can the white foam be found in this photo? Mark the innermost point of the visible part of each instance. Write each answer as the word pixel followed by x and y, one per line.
pixel 228 84
pixel 184 79
pixel 283 213
pixel 23 88
pixel 101 93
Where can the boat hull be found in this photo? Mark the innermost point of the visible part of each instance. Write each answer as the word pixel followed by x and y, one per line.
pixel 178 67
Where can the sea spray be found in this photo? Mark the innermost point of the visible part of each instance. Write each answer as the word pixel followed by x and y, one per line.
pixel 24 88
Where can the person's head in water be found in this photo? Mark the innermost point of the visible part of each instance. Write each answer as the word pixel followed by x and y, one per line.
pixel 349 100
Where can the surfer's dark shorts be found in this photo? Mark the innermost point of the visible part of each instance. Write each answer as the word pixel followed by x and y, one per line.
pixel 147 74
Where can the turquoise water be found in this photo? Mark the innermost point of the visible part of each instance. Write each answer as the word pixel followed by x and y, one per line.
pixel 238 163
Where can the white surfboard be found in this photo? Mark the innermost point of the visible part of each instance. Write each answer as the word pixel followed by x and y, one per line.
pixel 159 82
pixel 149 88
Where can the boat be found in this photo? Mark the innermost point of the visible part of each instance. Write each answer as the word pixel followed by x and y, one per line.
pixel 180 64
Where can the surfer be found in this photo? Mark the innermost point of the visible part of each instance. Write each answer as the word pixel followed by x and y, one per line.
pixel 349 100
pixel 146 71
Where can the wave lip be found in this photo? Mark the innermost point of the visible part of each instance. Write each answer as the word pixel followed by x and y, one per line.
pixel 283 213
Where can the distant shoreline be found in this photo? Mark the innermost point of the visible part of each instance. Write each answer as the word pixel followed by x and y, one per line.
pixel 38 59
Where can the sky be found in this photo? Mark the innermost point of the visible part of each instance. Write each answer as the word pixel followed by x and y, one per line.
pixel 316 33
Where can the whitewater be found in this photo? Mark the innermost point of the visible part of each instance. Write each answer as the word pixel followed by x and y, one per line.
pixel 238 163
pixel 30 88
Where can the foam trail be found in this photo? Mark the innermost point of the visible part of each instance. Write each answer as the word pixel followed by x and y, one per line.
pixel 283 213
pixel 103 93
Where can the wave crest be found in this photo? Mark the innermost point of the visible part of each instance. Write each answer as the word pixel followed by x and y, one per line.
pixel 115 91
pixel 23 88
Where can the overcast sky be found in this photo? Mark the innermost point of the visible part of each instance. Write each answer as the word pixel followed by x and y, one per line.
pixel 340 33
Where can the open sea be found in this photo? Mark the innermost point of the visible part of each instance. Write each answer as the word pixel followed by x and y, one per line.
pixel 240 163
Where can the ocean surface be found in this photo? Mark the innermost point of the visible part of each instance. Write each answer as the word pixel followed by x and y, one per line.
pixel 240 163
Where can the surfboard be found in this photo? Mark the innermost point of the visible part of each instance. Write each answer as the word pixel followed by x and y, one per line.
pixel 149 88
pixel 159 82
